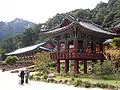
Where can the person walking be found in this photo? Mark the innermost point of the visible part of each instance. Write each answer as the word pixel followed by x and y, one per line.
pixel 22 76
pixel 26 76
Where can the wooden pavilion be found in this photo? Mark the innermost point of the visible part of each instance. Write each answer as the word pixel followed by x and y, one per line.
pixel 78 40
pixel 29 53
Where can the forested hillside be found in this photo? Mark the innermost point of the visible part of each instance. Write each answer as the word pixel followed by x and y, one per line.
pixel 16 26
pixel 104 14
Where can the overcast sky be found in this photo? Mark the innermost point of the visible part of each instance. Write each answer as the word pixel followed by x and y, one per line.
pixel 39 11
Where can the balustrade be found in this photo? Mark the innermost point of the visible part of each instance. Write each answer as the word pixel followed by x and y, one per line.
pixel 74 53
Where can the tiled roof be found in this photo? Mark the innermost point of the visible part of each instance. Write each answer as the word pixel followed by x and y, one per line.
pixel 85 24
pixel 57 30
pixel 30 48
pixel 107 41
pixel 95 28
pixel 117 26
pixel 25 49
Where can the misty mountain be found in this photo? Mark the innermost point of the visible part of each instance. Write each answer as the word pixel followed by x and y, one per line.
pixel 17 26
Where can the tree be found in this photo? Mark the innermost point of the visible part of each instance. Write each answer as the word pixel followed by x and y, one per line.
pixel 115 43
pixel 11 60
pixel 115 59
pixel 29 37
pixel 43 62
pixel 2 54
pixel 9 44
pixel 114 55
pixel 18 41
pixel 82 14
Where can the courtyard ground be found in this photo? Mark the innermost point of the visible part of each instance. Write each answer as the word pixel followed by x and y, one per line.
pixel 10 81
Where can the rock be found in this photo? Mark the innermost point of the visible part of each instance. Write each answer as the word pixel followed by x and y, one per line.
pixel 15 71
pixel 51 75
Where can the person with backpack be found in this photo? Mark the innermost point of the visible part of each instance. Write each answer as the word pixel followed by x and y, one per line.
pixel 26 76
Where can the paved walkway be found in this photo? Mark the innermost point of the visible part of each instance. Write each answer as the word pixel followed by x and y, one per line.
pixel 10 81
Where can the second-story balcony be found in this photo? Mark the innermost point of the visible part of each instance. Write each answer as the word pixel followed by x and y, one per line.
pixel 77 54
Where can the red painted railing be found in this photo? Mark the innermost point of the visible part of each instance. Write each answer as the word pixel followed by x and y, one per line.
pixel 76 54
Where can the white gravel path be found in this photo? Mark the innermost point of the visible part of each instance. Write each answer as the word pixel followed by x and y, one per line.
pixel 10 81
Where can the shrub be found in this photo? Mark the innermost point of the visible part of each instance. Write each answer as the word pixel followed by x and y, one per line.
pixel 60 81
pixel 11 60
pixel 105 69
pixel 31 77
pixel 86 84
pixel 72 79
pixel 1 62
pixel 93 85
pixel 78 83
pixel 52 64
pixel 45 76
pixel 65 81
pixel 37 78
pixel 52 80
pixel 101 85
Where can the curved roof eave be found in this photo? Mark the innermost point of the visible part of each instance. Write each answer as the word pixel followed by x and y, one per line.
pixel 95 28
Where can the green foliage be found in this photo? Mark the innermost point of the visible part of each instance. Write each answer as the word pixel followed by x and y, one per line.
pixel 104 68
pixel 115 59
pixel 37 78
pixel 1 62
pixel 8 44
pixel 2 51
pixel 11 60
pixel 116 42
pixel 45 76
pixel 104 14
pixel 31 77
pixel 29 37
pixel 44 62
pixel 83 14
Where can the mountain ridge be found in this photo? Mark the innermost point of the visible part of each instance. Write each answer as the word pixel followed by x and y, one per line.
pixel 16 26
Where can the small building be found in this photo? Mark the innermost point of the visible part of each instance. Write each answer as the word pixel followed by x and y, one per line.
pixel 29 53
pixel 78 40
pixel 116 27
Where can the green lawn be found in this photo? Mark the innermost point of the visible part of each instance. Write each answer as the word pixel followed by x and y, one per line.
pixel 91 80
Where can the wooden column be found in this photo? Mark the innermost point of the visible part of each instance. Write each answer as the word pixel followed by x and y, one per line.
pixel 75 47
pixel 101 48
pixel 84 45
pixel 58 49
pixel 33 55
pixel 66 66
pixel 94 47
pixel 58 66
pixel 24 56
pixel 76 66
pixel 20 57
pixel 85 66
pixel 66 49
